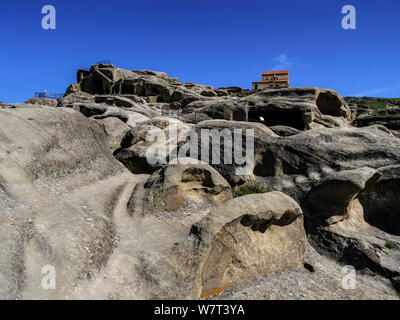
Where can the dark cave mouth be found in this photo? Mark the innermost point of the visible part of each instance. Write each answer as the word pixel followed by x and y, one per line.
pixel 329 104
pixel 291 118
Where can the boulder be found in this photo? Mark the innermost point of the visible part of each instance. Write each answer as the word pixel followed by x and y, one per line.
pixel 72 88
pixel 115 129
pixel 353 241
pixel 186 188
pixel 243 238
pixel 381 200
pixel 145 148
pixel 331 198
pixel 271 227
pixel 43 102
pixel 214 137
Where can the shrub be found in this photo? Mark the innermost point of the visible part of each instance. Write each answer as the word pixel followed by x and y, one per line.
pixel 389 245
pixel 244 190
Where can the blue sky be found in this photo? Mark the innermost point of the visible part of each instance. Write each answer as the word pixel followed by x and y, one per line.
pixel 216 42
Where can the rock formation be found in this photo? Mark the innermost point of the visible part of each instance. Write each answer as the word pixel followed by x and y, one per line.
pixel 100 185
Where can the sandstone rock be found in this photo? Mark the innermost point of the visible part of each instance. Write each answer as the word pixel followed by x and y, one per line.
pixel 76 97
pixel 217 142
pixel 254 234
pixel 113 233
pixel 294 163
pixel 325 283
pixel 354 242
pixel 21 106
pixel 102 111
pixel 349 238
pixel 154 86
pixel 73 88
pixel 43 101
pixel 208 93
pixel 59 185
pixel 184 188
pixel 145 148
pixel 381 201
pixel 224 108
pixel 115 130
pixel 232 90
pixel 284 131
pixel 396 283
pixel 115 100
pixel 271 227
pixel 331 198
pixel 299 108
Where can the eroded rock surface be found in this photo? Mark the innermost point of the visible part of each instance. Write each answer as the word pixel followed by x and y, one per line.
pixel 93 184
pixel 182 188
pixel 254 234
pixel 59 186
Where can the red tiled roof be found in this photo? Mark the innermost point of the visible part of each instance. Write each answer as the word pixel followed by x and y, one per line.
pixel 271 81
pixel 276 72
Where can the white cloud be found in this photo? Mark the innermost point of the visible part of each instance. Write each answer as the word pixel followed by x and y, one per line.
pixel 282 62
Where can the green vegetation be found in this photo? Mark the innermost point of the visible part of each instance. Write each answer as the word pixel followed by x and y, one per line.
pixel 374 103
pixel 389 245
pixel 244 190
pixel 382 116
pixel 377 274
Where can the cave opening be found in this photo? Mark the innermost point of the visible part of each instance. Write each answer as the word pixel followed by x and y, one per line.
pixel 291 118
pixel 127 89
pixel 201 176
pixel 97 87
pixel 329 104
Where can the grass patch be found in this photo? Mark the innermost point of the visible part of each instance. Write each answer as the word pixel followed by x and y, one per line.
pixel 390 245
pixel 377 274
pixel 251 189
pixel 376 104
pixel 380 116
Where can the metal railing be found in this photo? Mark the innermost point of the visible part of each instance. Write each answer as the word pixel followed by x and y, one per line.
pixel 48 95
pixel 104 62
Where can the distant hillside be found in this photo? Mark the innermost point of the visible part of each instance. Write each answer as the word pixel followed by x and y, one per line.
pixel 384 111
pixel 373 103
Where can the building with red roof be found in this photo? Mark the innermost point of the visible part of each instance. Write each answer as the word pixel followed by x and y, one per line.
pixel 272 79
